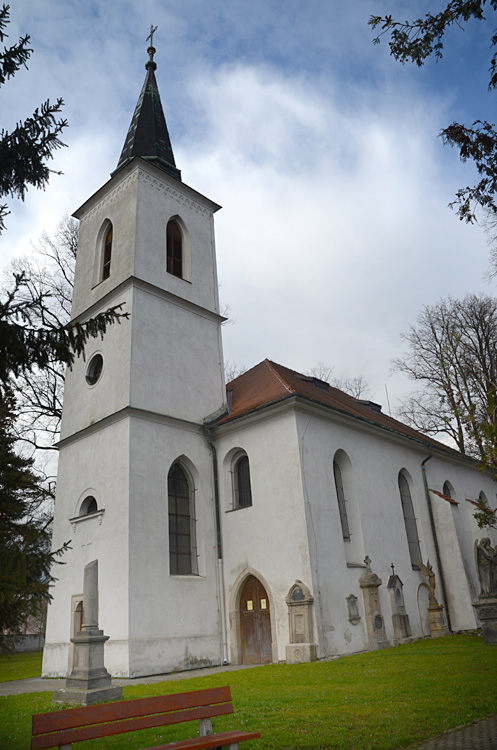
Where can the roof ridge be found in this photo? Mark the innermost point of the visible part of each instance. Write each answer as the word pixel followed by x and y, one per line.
pixel 279 377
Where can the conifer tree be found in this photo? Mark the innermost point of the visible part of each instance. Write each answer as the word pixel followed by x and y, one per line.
pixel 30 341
pixel 25 534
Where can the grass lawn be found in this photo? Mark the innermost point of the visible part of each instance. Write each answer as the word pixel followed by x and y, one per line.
pixel 19 666
pixel 382 699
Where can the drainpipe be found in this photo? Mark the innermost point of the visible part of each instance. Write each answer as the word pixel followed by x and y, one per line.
pixel 219 543
pixel 435 538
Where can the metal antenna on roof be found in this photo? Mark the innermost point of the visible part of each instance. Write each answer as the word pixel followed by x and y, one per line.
pixel 388 401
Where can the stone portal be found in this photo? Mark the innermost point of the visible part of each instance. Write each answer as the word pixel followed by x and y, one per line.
pixel 300 624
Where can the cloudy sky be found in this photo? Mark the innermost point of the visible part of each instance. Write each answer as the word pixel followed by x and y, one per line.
pixel 322 150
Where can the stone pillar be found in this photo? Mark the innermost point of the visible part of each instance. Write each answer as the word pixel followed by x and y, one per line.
pixel 89 681
pixel 370 583
pixel 300 624
pixel 400 619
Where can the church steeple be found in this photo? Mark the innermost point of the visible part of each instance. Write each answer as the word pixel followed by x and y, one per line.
pixel 148 136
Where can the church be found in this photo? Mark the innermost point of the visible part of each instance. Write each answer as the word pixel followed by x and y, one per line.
pixel 273 519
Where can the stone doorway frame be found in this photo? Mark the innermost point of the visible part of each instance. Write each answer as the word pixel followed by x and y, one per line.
pixel 234 616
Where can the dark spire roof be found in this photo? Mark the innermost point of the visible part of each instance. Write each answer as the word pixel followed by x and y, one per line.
pixel 147 135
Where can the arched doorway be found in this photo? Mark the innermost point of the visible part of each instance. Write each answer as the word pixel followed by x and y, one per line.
pixel 255 623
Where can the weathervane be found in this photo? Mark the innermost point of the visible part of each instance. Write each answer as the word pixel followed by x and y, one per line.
pixel 153 29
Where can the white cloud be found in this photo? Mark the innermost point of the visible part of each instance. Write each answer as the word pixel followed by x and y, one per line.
pixel 322 150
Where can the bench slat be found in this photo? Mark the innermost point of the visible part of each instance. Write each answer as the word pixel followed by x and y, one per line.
pixel 202 743
pixel 81 733
pixel 78 717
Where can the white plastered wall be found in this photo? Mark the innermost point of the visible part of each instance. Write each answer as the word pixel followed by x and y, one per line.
pixel 174 621
pixel 267 539
pixel 97 465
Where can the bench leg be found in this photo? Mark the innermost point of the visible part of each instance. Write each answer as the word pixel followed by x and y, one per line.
pixel 205 727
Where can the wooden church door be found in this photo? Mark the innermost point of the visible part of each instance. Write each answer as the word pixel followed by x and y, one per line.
pixel 255 623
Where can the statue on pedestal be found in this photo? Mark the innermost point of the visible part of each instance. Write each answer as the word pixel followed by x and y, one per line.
pixel 436 616
pixel 486 565
pixel 486 604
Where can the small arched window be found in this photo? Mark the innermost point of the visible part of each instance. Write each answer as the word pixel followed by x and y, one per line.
pixel 242 491
pixel 447 490
pixel 174 249
pixel 410 521
pixel 182 547
pixel 107 253
pixel 89 505
pixel 337 472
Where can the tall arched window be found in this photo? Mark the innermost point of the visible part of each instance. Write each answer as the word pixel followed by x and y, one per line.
pixel 409 521
pixel 242 490
pixel 337 472
pixel 174 249
pixel 107 253
pixel 182 547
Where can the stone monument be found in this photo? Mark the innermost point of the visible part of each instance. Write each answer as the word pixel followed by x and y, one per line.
pixel 375 624
pixel 89 681
pixel 486 604
pixel 301 647
pixel 438 624
pixel 400 618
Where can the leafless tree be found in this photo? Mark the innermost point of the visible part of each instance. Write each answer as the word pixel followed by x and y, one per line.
pixel 48 275
pixel 357 386
pixel 452 353
pixel 232 371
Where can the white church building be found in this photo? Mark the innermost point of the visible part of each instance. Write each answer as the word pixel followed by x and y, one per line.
pixel 272 519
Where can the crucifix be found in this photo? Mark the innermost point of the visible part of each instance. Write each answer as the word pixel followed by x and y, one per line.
pixel 153 29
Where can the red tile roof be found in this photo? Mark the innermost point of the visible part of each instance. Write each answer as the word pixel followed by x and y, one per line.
pixel 268 383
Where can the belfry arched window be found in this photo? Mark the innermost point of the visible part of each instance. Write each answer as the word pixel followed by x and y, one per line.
pixel 181 511
pixel 174 249
pixel 409 521
pixel 107 252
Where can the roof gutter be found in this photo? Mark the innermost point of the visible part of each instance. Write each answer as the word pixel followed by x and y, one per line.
pixel 434 535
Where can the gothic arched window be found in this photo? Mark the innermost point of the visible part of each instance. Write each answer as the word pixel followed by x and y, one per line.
pixel 174 249
pixel 242 490
pixel 337 472
pixel 182 547
pixel 409 521
pixel 107 253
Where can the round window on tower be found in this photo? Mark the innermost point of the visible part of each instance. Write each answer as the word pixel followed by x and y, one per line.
pixel 94 369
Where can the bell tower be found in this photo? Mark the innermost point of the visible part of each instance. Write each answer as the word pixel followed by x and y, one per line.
pixel 134 486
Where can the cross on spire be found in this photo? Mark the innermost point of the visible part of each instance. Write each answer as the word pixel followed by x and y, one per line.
pixel 153 29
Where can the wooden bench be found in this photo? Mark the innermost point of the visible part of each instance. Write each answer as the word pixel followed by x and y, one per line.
pixel 61 728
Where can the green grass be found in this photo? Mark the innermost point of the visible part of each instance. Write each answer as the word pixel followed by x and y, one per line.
pixel 383 699
pixel 20 666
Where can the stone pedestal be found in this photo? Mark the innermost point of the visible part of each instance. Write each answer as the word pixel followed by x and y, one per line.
pixel 370 583
pixel 89 681
pixel 486 609
pixel 297 653
pixel 438 623
pixel 300 624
